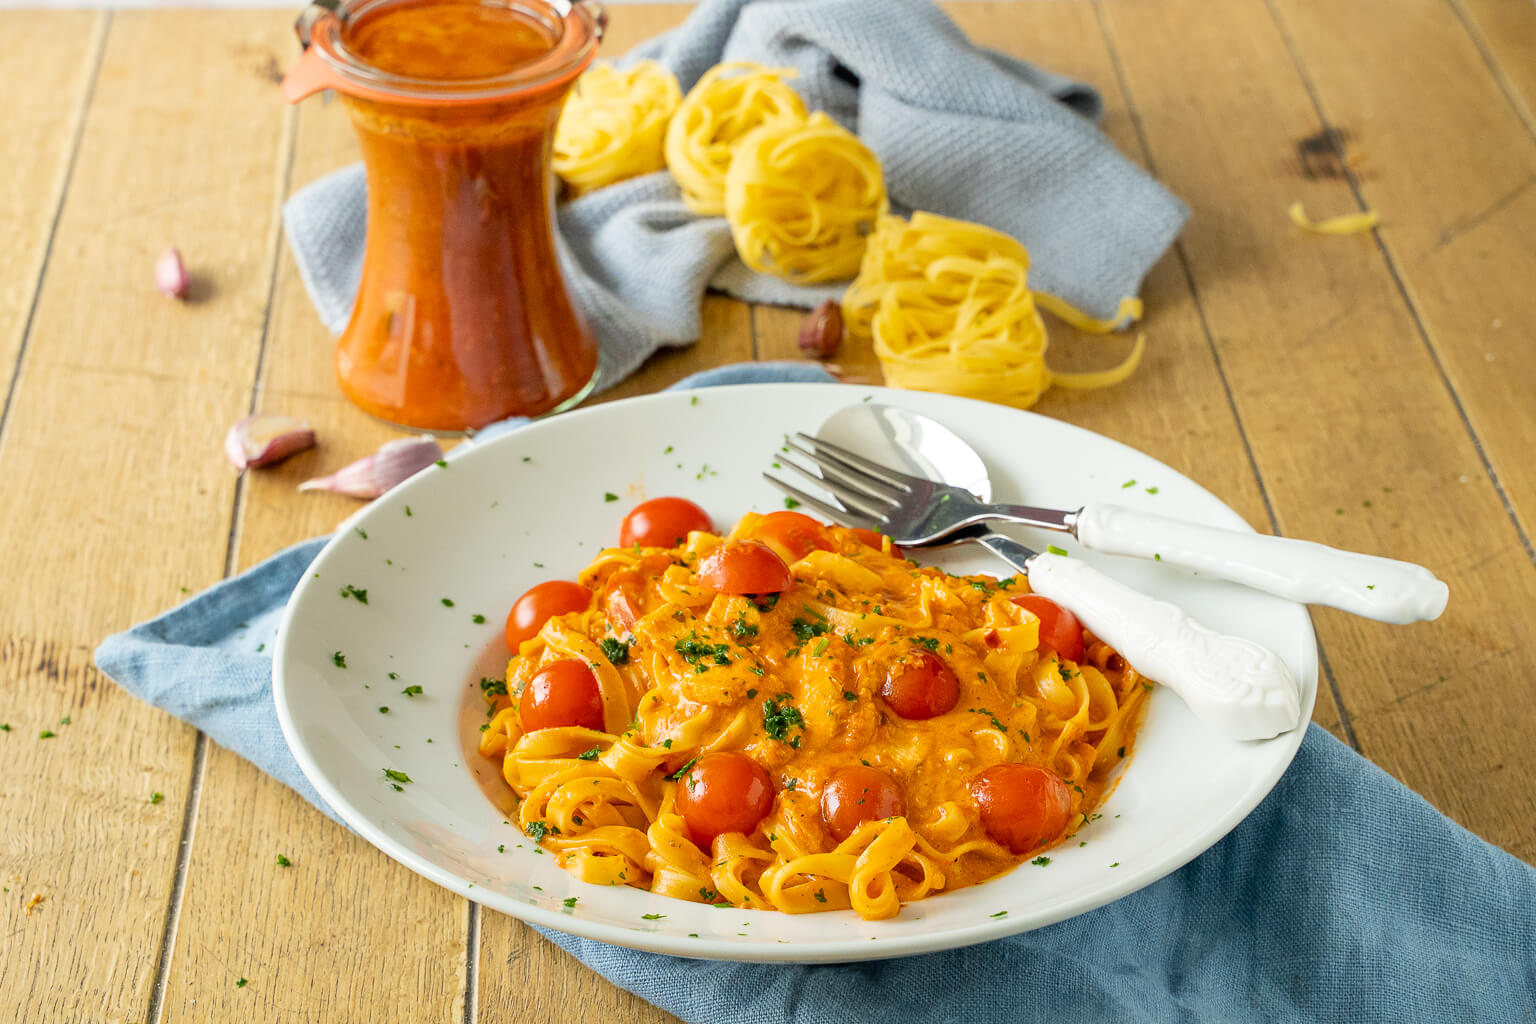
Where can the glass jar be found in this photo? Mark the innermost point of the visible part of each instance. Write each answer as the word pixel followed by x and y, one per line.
pixel 462 315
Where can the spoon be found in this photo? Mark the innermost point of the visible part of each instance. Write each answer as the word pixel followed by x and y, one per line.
pixel 1237 686
pixel 1384 589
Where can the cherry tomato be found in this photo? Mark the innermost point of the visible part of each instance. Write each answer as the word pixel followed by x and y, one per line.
pixel 874 540
pixel 562 693
pixel 1022 806
pixel 744 567
pixel 855 794
pixel 792 535
pixel 540 604
pixel 1059 628
pixel 723 792
pixel 662 523
pixel 920 685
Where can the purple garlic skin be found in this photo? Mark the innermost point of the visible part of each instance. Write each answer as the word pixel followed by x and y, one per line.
pixel 395 462
pixel 171 275
pixel 262 439
pixel 821 332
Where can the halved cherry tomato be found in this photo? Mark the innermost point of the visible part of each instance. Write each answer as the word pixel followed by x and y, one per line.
pixel 1022 806
pixel 1059 629
pixel 855 794
pixel 662 523
pixel 540 604
pixel 792 535
pixel 723 792
pixel 744 567
pixel 920 685
pixel 874 540
pixel 562 693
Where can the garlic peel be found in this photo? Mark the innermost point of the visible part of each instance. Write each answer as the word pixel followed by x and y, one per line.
pixel 372 475
pixel 262 439
pixel 171 274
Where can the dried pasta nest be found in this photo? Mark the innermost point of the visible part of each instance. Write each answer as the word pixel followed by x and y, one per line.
pixel 802 199
pixel 729 101
pixel 615 124
pixel 948 307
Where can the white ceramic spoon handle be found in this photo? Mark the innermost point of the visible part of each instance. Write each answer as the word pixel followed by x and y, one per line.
pixel 1377 588
pixel 1235 685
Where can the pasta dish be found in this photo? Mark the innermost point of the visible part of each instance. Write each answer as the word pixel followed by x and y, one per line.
pixel 795 717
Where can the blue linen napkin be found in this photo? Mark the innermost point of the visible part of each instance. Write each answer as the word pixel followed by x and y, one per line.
pixel 960 130
pixel 1342 897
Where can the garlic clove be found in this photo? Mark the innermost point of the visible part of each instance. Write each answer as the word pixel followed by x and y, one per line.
pixel 372 475
pixel 171 274
pixel 262 440
pixel 821 332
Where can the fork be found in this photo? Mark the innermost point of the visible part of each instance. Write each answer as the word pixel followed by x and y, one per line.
pixel 917 512
pixel 1235 685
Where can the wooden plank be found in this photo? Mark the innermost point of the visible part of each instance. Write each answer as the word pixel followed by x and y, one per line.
pixel 1352 428
pixel 394 945
pixel 1452 169
pixel 112 446
pixel 56 53
pixel 1505 31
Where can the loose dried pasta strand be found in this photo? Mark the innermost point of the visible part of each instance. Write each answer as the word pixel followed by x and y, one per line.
pixel 1347 224
pixel 727 103
pixel 614 125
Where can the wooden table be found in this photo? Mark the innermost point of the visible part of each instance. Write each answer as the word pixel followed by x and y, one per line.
pixel 1373 391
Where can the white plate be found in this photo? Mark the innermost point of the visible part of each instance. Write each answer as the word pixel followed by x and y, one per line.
pixel 533 506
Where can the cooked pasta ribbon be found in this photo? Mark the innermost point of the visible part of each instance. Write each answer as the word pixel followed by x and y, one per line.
pixel 727 103
pixel 794 684
pixel 802 198
pixel 948 307
pixel 614 125
pixel 1346 224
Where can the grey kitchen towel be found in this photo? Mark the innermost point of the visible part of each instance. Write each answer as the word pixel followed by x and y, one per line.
pixel 961 131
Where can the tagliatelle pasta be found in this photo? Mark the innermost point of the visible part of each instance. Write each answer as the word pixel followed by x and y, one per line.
pixel 614 125
pixel 948 306
pixel 802 198
pixel 893 731
pixel 1345 224
pixel 726 104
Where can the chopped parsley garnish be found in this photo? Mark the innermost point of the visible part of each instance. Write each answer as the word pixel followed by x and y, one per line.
pixel 1000 913
pixel 850 695
pixel 339 660
pixel 477 619
pixel 414 690
pixel 741 630
pixel 779 716
pixel 539 829
pixel 155 798
pixel 1153 490
pixel 929 642
pixel 610 496
pixel 407 510
pixel 283 861
pixel 1041 862
pixel 806 631
pixel 1129 483
pixel 383 709
pixel 46 734
pixel 240 983
pixel 589 755
pixel 570 901
pixel 695 652
pixel 999 726
pixel 615 650
pixel 442 463
pixel 980 585
pixel 350 591
pixel 790 784
pixel 1053 549
pixel 791 503
pixel 821 895
pixel 821 648
pixel 493 687
pixel 447 602
pixel 361 532
pixel 677 775
pixel 394 776
pixel 652 917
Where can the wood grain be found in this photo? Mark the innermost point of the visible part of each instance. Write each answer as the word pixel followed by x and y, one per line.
pixel 56 54
pixel 390 939
pixel 112 447
pixel 1351 425
pixel 1505 31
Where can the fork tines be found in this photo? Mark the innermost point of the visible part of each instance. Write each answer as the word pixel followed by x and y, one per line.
pixel 865 491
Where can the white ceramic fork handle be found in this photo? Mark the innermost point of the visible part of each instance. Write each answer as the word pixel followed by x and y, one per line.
pixel 1378 588
pixel 1234 685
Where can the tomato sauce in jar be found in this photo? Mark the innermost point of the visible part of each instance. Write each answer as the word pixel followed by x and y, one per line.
pixel 462 315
